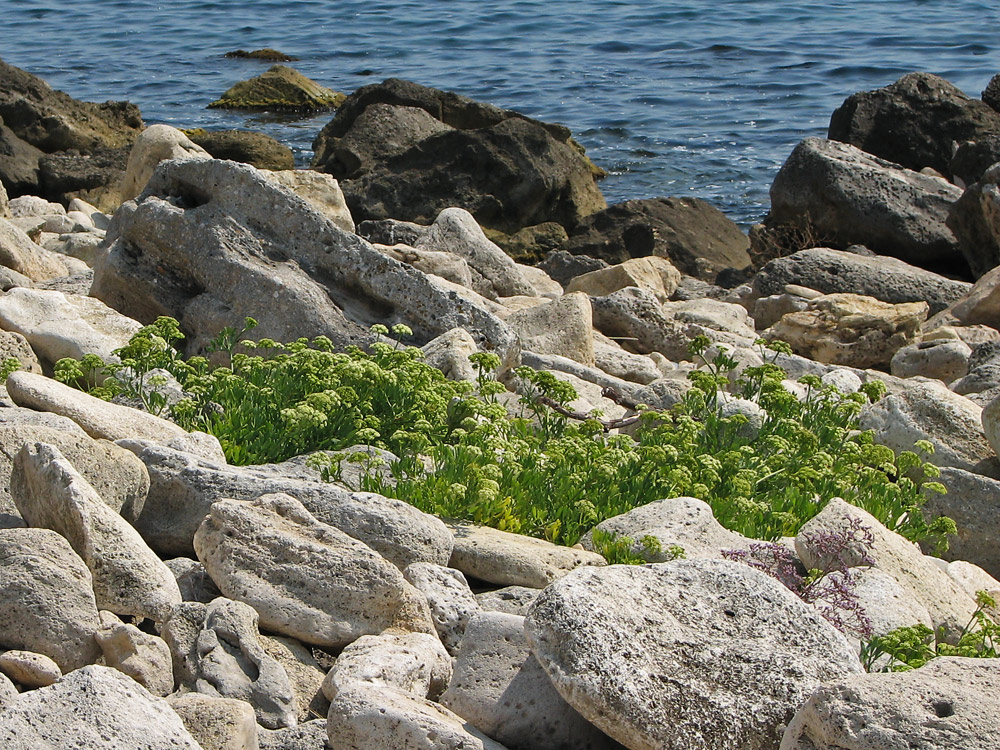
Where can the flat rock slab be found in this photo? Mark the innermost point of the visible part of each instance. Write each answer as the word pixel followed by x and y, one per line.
pixel 950 703
pixel 694 653
pixel 97 708
pixel 512 559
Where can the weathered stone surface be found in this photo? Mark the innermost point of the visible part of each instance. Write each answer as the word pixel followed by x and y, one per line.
pixel 849 329
pixel 913 121
pixel 97 708
pixel 448 266
pixel 636 319
pixel 98 418
pixel 57 325
pixel 563 327
pixel 8 692
pixel 610 357
pixel 20 254
pixel 949 606
pixel 881 599
pixel 128 578
pixel 974 579
pixel 95 177
pixel 448 595
pixel 142 656
pixel 156 143
pixel 49 604
pixel 54 121
pixel 684 522
pixel 501 689
pixel 247 146
pixel 119 477
pixel 950 703
pixel 450 353
pixel 696 237
pixel 833 271
pixel 280 89
pixel 415 663
pixel 514 600
pixel 366 717
pixel 183 488
pixel 972 158
pixel 192 578
pixel 940 359
pixel 927 410
pixel 512 559
pixel 4 203
pixel 849 197
pixel 973 502
pixel 306 579
pixel 303 671
pixel 494 274
pixel 980 306
pixel 309 736
pixel 29 669
pixel 224 232
pixel 217 723
pixel 654 274
pixel 319 190
pixel 625 647
pixel 18 163
pixel 975 220
pixel 216 650
pixel 563 266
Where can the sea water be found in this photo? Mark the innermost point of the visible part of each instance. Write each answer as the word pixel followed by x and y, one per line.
pixel 671 97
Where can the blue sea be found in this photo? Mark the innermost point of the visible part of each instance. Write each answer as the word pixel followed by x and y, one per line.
pixel 671 97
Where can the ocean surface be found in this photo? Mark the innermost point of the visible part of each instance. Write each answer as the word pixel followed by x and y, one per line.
pixel 671 97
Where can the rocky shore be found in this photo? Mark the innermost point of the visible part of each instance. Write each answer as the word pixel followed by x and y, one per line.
pixel 155 595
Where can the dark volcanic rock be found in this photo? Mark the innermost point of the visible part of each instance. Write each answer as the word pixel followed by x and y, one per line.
pixel 564 266
pixel 913 121
pixel 407 151
pixel 246 146
pixel 54 121
pixel 975 220
pixel 695 236
pixel 973 158
pixel 833 271
pixel 991 94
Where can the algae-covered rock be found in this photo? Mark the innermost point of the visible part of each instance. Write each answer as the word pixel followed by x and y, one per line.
pixel 266 53
pixel 280 89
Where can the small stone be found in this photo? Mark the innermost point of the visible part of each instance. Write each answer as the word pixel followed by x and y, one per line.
pixel 142 656
pixel 29 669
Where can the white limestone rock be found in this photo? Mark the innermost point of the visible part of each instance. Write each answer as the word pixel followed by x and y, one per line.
pixel 142 656
pixel 217 723
pixel 319 190
pixel 448 594
pixel 564 326
pixel 19 253
pixel 29 669
pixel 155 144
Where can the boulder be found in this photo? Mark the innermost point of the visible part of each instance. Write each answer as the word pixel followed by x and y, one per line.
pixel 449 597
pixel 684 522
pixel 693 235
pixel 991 94
pixel 627 648
pixel 20 254
pixel 306 579
pixel 192 578
pixel 58 325
pixel 850 329
pixel 96 707
pixel 531 244
pixel 563 327
pixel 303 671
pixel 183 488
pixel 217 723
pixel 974 579
pixel 128 578
pixel 941 359
pixel 49 605
pixel 563 266
pixel 309 736
pixel 844 196
pixel 245 146
pixel 446 265
pixel 4 201
pixel 950 703
pixel 319 190
pixel 18 163
pixel 501 689
pixel 654 274
pixel 610 357
pixel 142 656
pixel 913 122
pixel 494 274
pixel 53 121
pixel 156 143
pixel 224 232
pixel 834 271
pixel 973 503
pixel 973 158
pixel 979 306
pixel 975 220
pixel 948 605
pixel 280 89
pixel 509 171
pixel 927 410
pixel 514 600
pixel 367 717
pixel 95 177
pixel 450 353
pixel 98 418
pixel 216 650
pixel 29 669
pixel 512 559
pixel 415 663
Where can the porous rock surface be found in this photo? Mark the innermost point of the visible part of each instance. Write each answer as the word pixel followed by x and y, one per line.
pixel 695 654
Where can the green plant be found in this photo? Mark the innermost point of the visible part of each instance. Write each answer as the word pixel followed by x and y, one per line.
pixel 913 646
